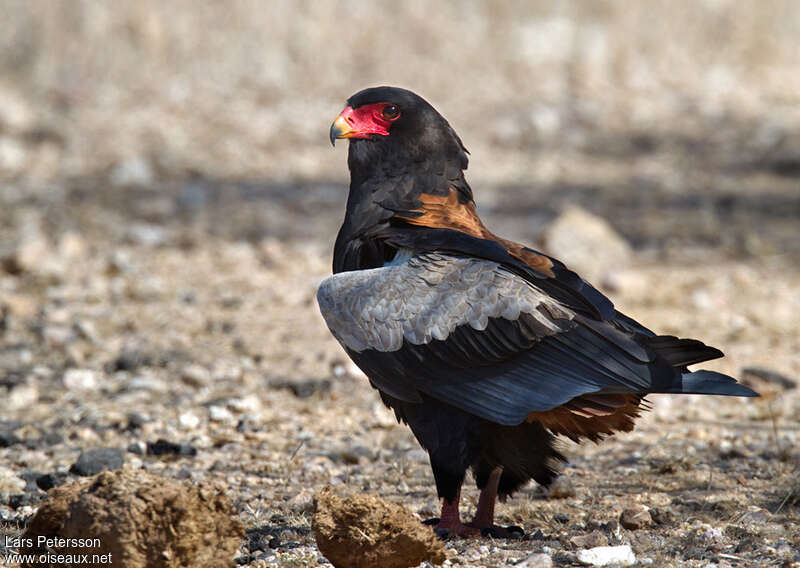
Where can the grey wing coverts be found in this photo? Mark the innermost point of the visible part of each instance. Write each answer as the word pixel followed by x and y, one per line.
pixel 426 298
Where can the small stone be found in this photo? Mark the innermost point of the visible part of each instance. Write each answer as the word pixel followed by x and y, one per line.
pixel 29 257
pixel 86 330
pixel 8 439
pixel 245 404
pixel 136 421
pixel 590 540
pixel 10 483
pixel 51 438
pixel 195 375
pixel 72 245
pixel 49 480
pixel 119 262
pixel 755 515
pixel 58 335
pixel 538 560
pixel 188 421
pixel 663 516
pixel 219 414
pixel 702 299
pixel 134 170
pixel 147 382
pixel 138 447
pixel 305 389
pixel 92 462
pixel 163 447
pixel 147 235
pixel 607 556
pixel 129 359
pixel 22 396
pixel 303 502
pixel 635 517
pixel 80 379
pixel 355 454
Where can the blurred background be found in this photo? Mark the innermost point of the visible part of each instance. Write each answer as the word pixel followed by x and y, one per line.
pixel 169 200
pixel 695 104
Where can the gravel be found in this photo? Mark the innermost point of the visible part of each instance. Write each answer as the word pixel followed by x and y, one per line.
pixel 172 314
pixel 92 462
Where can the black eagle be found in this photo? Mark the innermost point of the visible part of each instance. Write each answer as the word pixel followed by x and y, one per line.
pixel 486 348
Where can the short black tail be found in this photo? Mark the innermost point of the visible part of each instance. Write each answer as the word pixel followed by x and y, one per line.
pixel 682 352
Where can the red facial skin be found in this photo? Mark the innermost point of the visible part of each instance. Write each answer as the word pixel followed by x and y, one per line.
pixel 367 120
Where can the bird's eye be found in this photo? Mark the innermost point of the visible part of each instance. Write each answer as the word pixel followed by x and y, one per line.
pixel 390 112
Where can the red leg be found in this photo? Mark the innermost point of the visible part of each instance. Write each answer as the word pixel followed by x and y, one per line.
pixel 449 524
pixel 484 516
pixel 450 521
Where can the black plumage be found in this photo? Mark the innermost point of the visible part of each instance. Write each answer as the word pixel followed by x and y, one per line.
pixel 484 379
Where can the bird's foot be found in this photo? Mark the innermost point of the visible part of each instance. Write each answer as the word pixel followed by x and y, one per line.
pixel 496 531
pixel 472 530
pixel 453 529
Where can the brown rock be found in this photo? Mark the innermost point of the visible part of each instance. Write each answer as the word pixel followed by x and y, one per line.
pixel 587 243
pixel 635 517
pixel 590 540
pixel 142 521
pixel 362 531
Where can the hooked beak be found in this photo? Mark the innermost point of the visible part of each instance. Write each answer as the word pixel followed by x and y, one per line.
pixel 340 129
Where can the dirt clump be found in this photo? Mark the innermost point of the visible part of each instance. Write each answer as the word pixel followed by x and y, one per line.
pixel 360 531
pixel 136 520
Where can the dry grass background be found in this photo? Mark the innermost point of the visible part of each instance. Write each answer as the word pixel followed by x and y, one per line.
pixel 247 88
pixel 168 201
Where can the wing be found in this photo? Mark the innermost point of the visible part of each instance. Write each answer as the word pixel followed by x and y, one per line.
pixel 449 222
pixel 474 334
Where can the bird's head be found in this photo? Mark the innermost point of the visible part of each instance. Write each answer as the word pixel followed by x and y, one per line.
pixel 383 122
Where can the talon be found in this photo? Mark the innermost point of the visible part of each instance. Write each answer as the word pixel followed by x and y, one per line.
pixel 496 531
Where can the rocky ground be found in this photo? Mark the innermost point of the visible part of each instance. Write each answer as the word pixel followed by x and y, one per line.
pixel 168 204
pixel 175 324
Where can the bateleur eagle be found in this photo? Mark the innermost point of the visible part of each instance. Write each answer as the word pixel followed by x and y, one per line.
pixel 486 348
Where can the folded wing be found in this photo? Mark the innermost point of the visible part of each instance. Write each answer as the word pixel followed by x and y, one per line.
pixel 473 334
